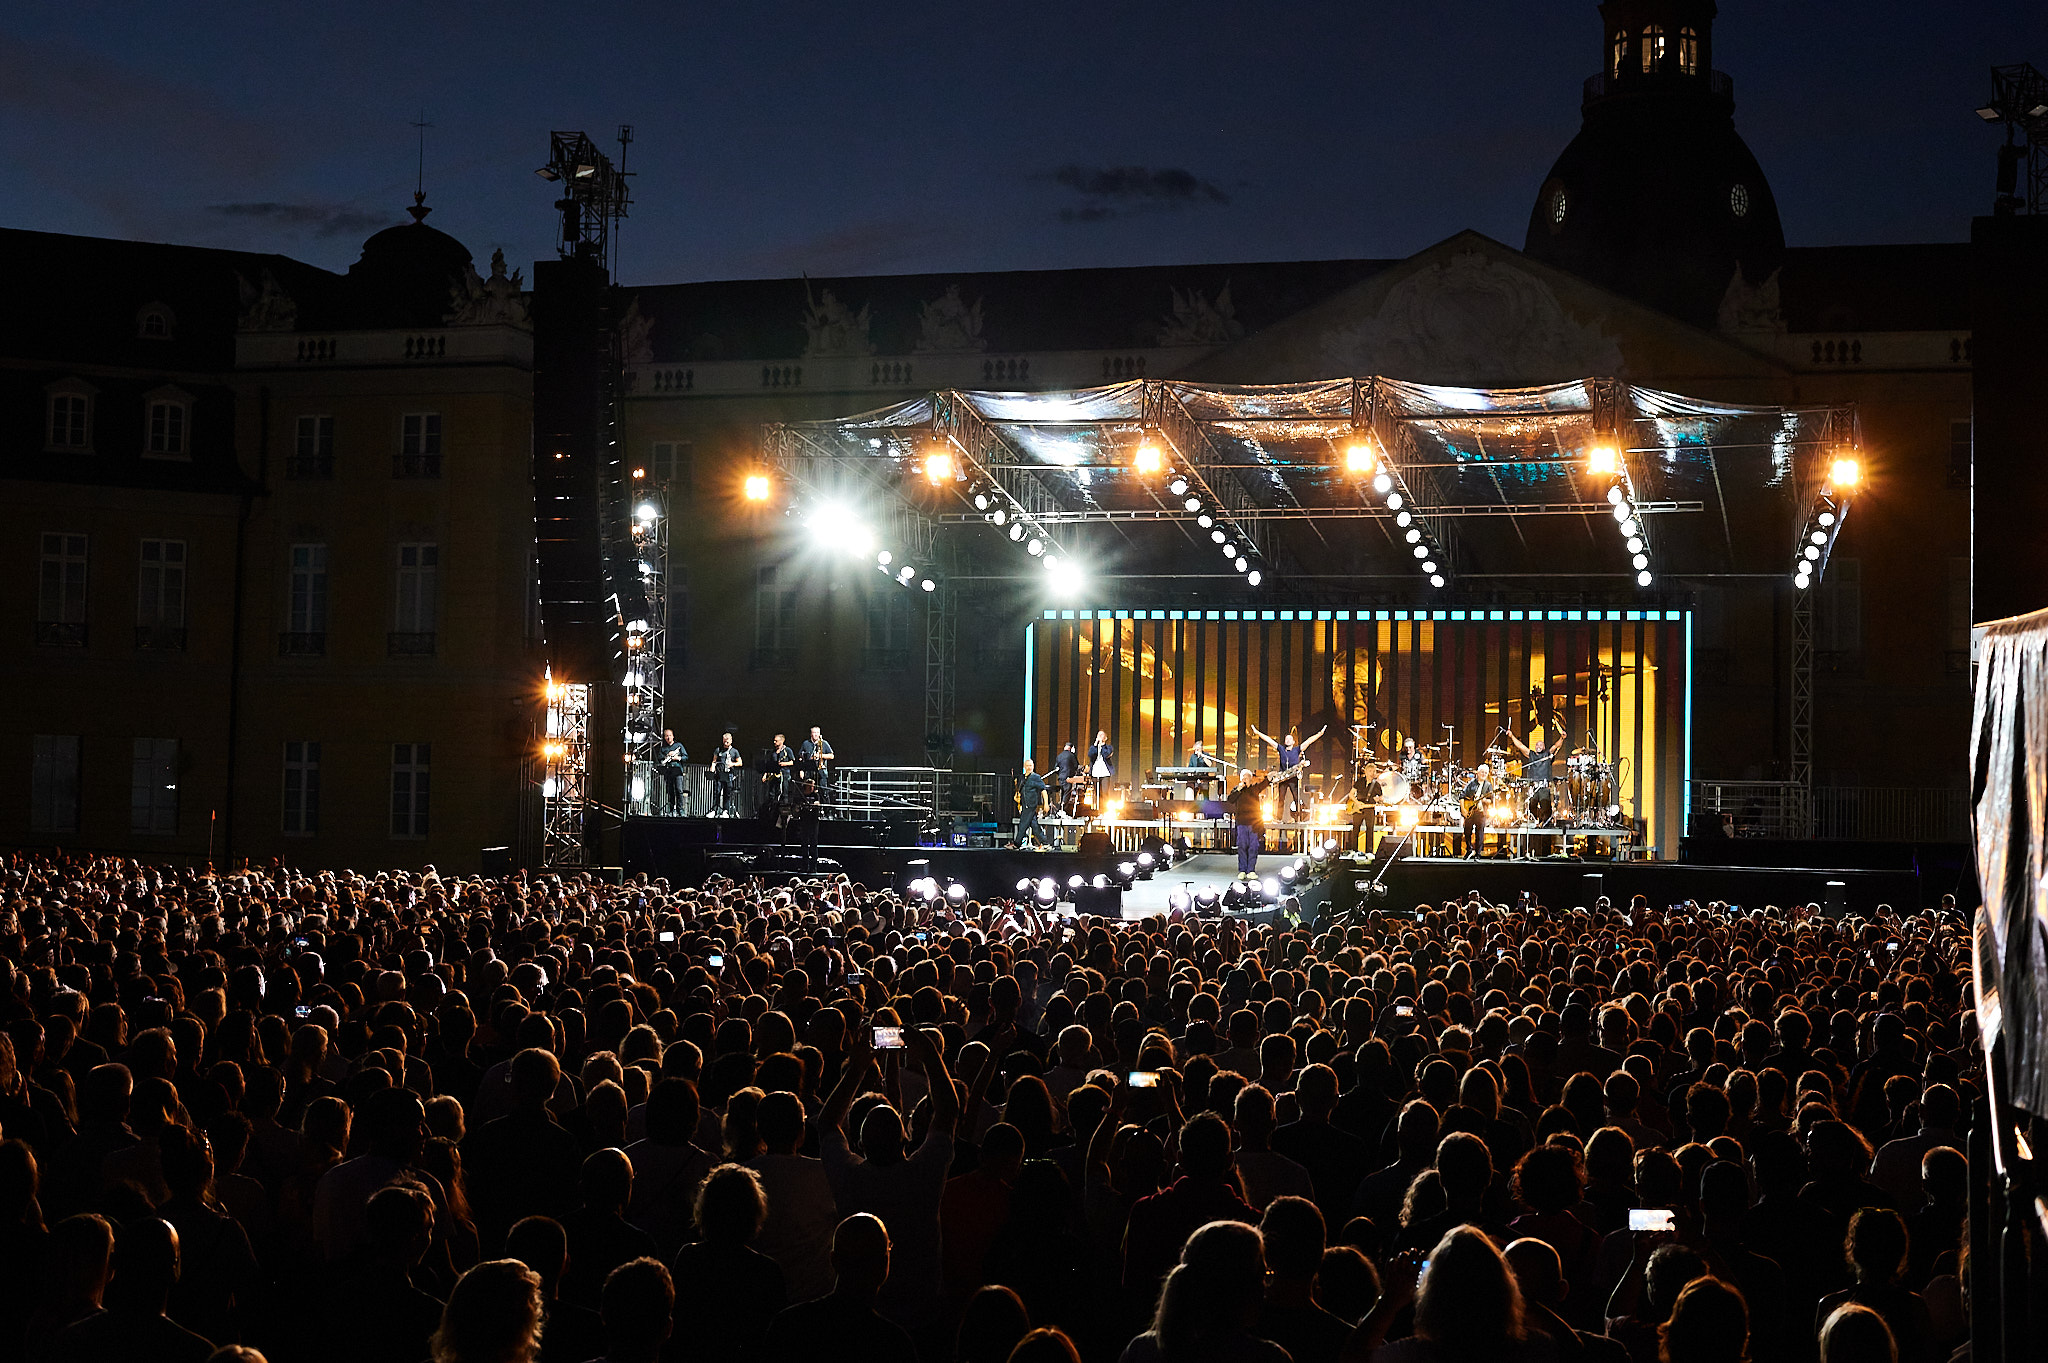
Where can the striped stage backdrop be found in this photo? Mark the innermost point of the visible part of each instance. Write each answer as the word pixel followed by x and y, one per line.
pixel 1616 679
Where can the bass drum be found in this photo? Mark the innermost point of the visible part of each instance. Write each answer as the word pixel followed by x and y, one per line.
pixel 1602 800
pixel 1541 805
pixel 1393 785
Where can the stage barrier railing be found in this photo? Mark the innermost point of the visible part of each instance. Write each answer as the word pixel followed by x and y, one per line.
pixel 1770 809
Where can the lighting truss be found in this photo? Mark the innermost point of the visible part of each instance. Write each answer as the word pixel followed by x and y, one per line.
pixel 594 194
pixel 1831 481
pixel 1611 461
pixel 1020 500
pixel 1227 509
pixel 1414 532
pixel 565 783
pixel 646 643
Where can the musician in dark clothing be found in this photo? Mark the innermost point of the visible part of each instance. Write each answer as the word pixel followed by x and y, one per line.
pixel 725 780
pixel 1291 751
pixel 781 766
pixel 1198 756
pixel 1066 765
pixel 1244 806
pixel 817 758
pixel 669 761
pixel 1031 790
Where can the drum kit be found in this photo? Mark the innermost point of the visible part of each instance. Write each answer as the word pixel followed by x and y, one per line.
pixel 1582 789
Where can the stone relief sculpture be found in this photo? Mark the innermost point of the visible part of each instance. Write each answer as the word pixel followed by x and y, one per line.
pixel 833 328
pixel 948 325
pixel 1199 321
pixel 636 336
pixel 498 301
pixel 266 306
pixel 1471 319
pixel 1751 307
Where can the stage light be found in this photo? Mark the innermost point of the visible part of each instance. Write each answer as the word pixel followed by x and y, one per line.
pixel 1271 886
pixel 1820 537
pixel 553 751
pixel 1403 519
pixel 1602 460
pixel 938 467
pixel 1229 550
pixel 1193 504
pixel 1622 511
pixel 1394 502
pixel 550 788
pixel 930 890
pixel 1421 552
pixel 1244 565
pixel 1253 578
pixel 1065 577
pixel 1615 494
pixel 884 558
pixel 647 511
pixel 1641 560
pixel 1318 852
pixel 1219 535
pixel 1205 898
pixel 1127 869
pixel 550 174
pixel 1048 889
pixel 956 892
pixel 1844 474
pixel 1382 484
pixel 756 487
pixel 1024 885
pixel 1643 578
pixel 1358 458
pixel 1826 518
pixel 1017 531
pixel 981 501
pixel 1100 882
pixel 1177 901
pixel 1035 548
pixel 905 573
pixel 1801 581
pixel 1287 874
pixel 1631 527
pixel 1148 460
pixel 1408 817
pixel 1145 859
pixel 1635 544
pixel 1178 487
pixel 1813 553
pixel 929 585
pixel 1074 882
pixel 1205 520
pixel 1414 534
pixel 1429 565
pixel 1436 579
pixel 1989 113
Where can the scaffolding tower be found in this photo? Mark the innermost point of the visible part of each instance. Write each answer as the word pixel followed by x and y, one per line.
pixel 646 640
pixel 565 782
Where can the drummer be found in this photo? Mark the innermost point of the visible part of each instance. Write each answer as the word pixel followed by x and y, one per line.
pixel 1536 762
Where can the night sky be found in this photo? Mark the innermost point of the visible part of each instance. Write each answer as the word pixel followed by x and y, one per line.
pixel 775 138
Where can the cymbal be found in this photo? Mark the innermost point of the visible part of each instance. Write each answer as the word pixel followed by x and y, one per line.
pixel 1496 751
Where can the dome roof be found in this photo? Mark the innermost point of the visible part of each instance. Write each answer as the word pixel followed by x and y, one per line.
pixel 1658 198
pixel 405 274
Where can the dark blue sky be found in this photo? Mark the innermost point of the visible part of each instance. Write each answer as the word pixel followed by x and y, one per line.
pixel 831 138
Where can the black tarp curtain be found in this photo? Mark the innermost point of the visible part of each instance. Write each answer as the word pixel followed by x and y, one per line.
pixel 2009 819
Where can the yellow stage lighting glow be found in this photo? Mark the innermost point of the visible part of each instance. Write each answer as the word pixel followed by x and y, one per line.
pixel 757 487
pixel 938 467
pixel 1602 460
pixel 1408 816
pixel 1147 459
pixel 1844 474
pixel 1358 459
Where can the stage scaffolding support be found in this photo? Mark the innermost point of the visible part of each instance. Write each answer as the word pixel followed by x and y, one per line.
pixel 1801 772
pixel 646 642
pixel 565 781
pixel 941 663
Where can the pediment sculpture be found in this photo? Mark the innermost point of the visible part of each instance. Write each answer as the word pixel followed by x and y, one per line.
pixel 947 324
pixel 497 301
pixel 833 328
pixel 265 305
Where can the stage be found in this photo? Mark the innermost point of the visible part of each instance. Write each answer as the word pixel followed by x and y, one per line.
pixel 686 850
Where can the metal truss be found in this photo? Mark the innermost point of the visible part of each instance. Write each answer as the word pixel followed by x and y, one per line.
pixel 565 782
pixel 941 666
pixel 1411 478
pixel 988 459
pixel 1801 770
pixel 646 641
pixel 1225 493
pixel 1100 516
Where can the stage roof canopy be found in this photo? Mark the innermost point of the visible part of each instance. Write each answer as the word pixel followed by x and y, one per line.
pixel 1499 482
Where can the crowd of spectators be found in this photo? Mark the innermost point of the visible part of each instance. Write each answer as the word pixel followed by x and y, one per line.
pixel 343 1118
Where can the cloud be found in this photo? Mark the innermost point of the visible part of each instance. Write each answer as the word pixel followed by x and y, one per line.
pixel 326 220
pixel 1113 191
pixel 860 248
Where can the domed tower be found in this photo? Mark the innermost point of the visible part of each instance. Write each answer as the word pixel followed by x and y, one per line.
pixel 1658 197
pixel 406 273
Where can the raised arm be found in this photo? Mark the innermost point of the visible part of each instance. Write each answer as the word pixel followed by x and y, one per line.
pixel 1313 737
pixel 860 1060
pixel 1261 735
pixel 945 1098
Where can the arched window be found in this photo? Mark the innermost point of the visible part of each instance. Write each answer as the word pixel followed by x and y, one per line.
pixel 1689 51
pixel 1620 55
pixel 1653 48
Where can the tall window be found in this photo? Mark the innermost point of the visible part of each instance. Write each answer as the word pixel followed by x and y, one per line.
pixel 888 627
pixel 409 776
pixel 1838 623
pixel 305 629
pixel 167 417
pixel 301 787
pixel 313 449
pixel 419 446
pixel 413 616
pixel 60 595
pixel 53 784
pixel 153 787
pixel 1653 48
pixel 70 421
pixel 1620 59
pixel 774 618
pixel 160 595
pixel 674 465
pixel 1689 51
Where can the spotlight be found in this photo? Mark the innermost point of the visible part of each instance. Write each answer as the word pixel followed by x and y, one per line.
pixel 938 467
pixel 998 516
pixel 1048 889
pixel 1148 460
pixel 1127 869
pixel 1615 494
pixel 1287 874
pixel 1635 544
pixel 1178 487
pixel 1382 484
pixel 647 511
pixel 1358 458
pixel 1622 511
pixel 884 558
pixel 1243 565
pixel 1035 548
pixel 1403 519
pixel 1813 553
pixel 1826 518
pixel 1643 578
pixel 1219 535
pixel 1844 474
pixel 1270 886
pixel 929 585
pixel 756 487
pixel 1065 576
pixel 1820 537
pixel 1436 579
pixel 1318 852
pixel 1421 550
pixel 1024 885
pixel 956 892
pixel 1252 578
pixel 1205 520
pixel 1145 860
pixel 1230 550
pixel 1414 534
pixel 1394 502
pixel 1601 459
pixel 1408 817
pixel 1205 899
pixel 930 890
pixel 1178 901
pixel 1100 882
pixel 905 573
pixel 1630 527
pixel 1017 531
pixel 1801 581
pixel 1193 504
pixel 1429 565
pixel 1641 560
pixel 1074 882
pixel 981 501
